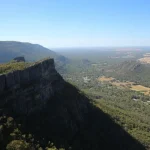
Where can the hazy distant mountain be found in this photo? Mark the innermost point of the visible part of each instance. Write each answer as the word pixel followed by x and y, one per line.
pixel 129 66
pixel 31 52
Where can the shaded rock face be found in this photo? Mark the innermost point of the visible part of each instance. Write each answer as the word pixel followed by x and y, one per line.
pixel 44 104
pixel 28 90
pixel 19 59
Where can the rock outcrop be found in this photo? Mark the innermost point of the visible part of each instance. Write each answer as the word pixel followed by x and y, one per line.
pixel 19 59
pixel 23 91
pixel 43 103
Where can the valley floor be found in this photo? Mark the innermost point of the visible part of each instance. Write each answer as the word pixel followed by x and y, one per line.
pixel 129 85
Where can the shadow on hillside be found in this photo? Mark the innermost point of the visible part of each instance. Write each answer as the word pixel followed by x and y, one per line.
pixel 71 120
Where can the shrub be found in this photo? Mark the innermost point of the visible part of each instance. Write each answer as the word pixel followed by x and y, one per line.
pixel 18 145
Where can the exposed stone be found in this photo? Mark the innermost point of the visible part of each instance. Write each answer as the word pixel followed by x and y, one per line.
pixel 35 72
pixel 24 76
pixel 25 91
pixel 17 76
pixel 46 67
pixel 2 83
pixel 10 82
pixel 19 59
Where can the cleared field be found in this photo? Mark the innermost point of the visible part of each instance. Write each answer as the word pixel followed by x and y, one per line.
pixel 105 79
pixel 145 60
pixel 127 84
pixel 122 84
pixel 141 88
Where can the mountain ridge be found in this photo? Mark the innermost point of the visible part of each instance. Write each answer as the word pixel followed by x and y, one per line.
pixel 32 52
pixel 133 71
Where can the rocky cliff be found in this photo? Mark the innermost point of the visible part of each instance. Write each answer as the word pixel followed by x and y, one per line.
pixel 24 91
pixel 42 102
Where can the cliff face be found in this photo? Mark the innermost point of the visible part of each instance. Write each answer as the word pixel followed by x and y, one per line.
pixel 44 104
pixel 24 91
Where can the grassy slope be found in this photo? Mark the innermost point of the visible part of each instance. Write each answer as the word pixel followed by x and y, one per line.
pixel 11 66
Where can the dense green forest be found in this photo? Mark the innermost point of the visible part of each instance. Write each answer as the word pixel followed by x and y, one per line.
pixel 130 109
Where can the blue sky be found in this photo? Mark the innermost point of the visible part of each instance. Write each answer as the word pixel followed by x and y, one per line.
pixel 76 23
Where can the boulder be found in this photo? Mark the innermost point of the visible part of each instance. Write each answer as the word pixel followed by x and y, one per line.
pixel 19 59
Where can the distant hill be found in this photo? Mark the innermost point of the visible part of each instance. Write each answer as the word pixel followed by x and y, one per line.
pixel 31 52
pixel 129 66
pixel 86 62
pixel 131 71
